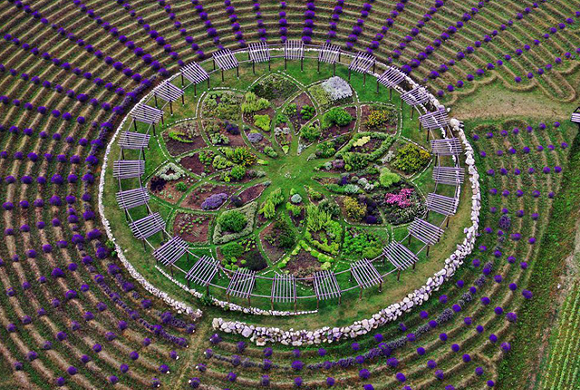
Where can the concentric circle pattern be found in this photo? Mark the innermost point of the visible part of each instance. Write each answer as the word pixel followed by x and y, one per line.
pixel 243 194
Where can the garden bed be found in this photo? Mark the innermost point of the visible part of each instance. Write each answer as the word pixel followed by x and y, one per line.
pixel 303 265
pixel 200 194
pixel 195 165
pixel 192 227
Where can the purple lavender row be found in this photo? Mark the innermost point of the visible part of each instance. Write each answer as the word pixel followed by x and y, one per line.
pixel 238 33
pixel 358 27
pixel 259 22
pixel 414 32
pixel 334 19
pixel 518 52
pixel 182 31
pixel 211 31
pixel 309 17
pixel 444 37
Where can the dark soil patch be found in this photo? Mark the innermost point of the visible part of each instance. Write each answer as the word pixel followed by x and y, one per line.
pixel 369 147
pixel 261 220
pixel 196 198
pixel 303 265
pixel 274 253
pixel 170 193
pixel 249 118
pixel 301 100
pixel 259 146
pixel 252 193
pixel 192 228
pixel 175 148
pixel 193 164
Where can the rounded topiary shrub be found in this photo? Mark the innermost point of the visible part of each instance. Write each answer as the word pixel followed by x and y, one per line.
pixel 232 221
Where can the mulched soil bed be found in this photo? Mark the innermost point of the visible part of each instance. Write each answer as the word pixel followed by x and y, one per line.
pixel 193 164
pixel 303 265
pixel 301 100
pixel 335 131
pixel 196 198
pixel 249 118
pixel 252 193
pixel 196 227
pixel 274 253
pixel 259 146
pixel 169 193
pixel 235 140
pixel 369 147
pixel 175 148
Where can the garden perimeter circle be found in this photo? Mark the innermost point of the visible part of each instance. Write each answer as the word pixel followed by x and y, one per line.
pixel 270 176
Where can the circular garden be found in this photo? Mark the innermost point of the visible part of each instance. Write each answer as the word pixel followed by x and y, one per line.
pixel 279 176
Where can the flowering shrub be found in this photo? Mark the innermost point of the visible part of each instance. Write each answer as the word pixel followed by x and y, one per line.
pixel 214 201
pixel 400 199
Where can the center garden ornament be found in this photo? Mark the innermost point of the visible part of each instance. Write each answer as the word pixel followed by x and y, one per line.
pixel 281 193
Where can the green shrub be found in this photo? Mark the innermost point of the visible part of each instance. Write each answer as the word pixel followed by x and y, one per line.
pixel 320 95
pixel 219 139
pixel 220 162
pixel 307 112
pixel 325 149
pixel 310 133
pixel 281 118
pixel 388 178
pixel 241 156
pixel 180 136
pixel 283 234
pixel 356 161
pixel 273 87
pixel 359 243
pixel 350 189
pixel 232 221
pixel 232 250
pixel 291 109
pixel 255 262
pixel 268 209
pixel 336 116
pixel 252 103
pixel 262 122
pixel 238 172
pixel 270 152
pixel 381 117
pixel 181 187
pixel 410 158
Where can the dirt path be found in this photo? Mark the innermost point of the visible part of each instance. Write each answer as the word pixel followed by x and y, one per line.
pixel 497 102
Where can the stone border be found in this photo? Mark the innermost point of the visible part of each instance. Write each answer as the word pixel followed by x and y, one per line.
pixel 262 335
